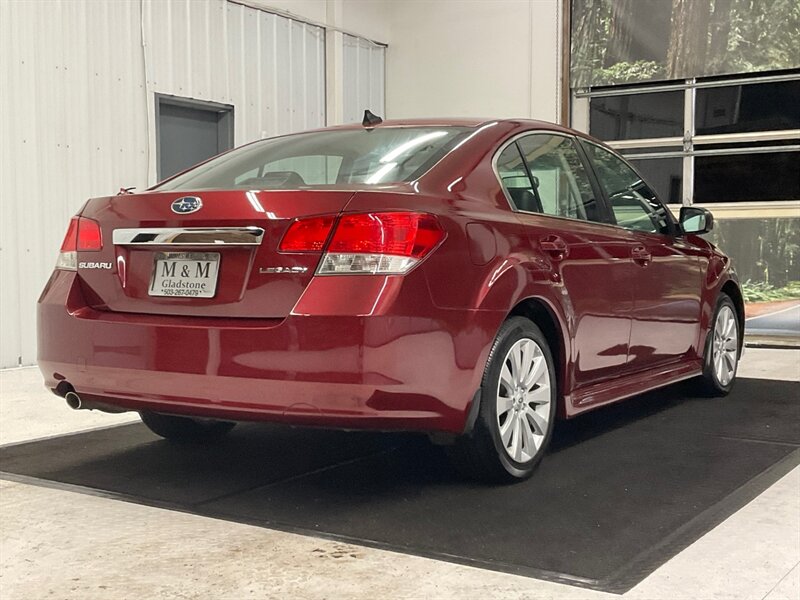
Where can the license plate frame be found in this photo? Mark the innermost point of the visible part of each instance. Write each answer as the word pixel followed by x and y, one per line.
pixel 193 275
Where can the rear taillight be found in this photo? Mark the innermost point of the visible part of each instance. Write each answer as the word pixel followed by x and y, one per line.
pixel 380 243
pixel 70 242
pixel 82 235
pixel 89 236
pixel 307 235
pixel 386 243
pixel 399 234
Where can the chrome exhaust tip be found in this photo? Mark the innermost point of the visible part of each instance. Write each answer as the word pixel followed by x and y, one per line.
pixel 73 400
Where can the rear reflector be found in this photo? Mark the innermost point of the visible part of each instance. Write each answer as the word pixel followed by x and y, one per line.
pixel 82 235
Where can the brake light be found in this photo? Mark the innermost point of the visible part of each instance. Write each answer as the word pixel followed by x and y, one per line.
pixel 307 235
pixel 386 243
pixel 82 234
pixel 380 243
pixel 399 234
pixel 89 236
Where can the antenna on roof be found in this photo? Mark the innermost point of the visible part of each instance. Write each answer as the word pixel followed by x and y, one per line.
pixel 371 120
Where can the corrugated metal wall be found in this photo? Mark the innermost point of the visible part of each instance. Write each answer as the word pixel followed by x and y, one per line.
pixel 270 68
pixel 363 68
pixel 73 126
pixel 77 111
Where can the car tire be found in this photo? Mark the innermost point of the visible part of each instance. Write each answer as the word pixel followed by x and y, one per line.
pixel 185 429
pixel 517 408
pixel 722 350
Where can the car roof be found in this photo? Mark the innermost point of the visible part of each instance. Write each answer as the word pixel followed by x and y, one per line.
pixel 457 122
pixel 513 126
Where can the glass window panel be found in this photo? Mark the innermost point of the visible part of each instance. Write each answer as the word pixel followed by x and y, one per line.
pixel 747 177
pixel 314 170
pixel 514 176
pixel 377 156
pixel 626 41
pixel 745 108
pixel 633 203
pixel 765 251
pixel 561 183
pixel 664 175
pixel 636 116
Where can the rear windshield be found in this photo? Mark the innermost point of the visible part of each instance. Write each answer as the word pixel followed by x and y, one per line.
pixel 325 158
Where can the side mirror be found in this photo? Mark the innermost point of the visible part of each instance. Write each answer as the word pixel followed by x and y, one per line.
pixel 696 220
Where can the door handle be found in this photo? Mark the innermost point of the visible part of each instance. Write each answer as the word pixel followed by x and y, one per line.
pixel 641 255
pixel 554 246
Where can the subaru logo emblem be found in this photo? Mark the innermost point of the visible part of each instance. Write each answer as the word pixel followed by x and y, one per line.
pixel 186 205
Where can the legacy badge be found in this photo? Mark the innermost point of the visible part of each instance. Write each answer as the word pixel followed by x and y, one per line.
pixel 283 269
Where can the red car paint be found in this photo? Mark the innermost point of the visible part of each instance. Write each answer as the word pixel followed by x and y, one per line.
pixel 378 351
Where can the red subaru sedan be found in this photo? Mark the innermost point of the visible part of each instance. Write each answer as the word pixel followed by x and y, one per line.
pixel 474 280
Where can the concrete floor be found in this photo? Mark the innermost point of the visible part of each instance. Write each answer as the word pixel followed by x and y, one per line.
pixel 58 543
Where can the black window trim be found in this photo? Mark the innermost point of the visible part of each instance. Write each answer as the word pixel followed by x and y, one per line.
pixel 534 187
pixel 603 208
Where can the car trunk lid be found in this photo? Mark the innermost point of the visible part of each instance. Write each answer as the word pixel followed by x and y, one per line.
pixel 154 260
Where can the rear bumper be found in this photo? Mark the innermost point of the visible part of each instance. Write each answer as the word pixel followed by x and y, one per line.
pixel 386 371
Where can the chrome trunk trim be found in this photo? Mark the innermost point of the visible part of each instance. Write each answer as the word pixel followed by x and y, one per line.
pixel 189 236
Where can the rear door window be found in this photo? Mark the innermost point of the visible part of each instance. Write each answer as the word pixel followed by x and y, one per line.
pixel 544 173
pixel 515 179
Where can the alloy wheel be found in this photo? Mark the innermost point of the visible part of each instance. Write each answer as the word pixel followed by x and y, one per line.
pixel 725 346
pixel 523 400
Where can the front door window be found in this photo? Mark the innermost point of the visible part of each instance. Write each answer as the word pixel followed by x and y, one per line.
pixel 633 203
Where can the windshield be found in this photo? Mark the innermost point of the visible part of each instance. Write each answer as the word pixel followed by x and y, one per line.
pixel 325 158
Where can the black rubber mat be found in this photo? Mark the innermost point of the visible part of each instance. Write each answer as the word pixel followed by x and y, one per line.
pixel 622 490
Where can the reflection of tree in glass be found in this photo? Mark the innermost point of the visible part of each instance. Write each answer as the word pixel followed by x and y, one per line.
pixel 617 41
pixel 589 32
pixel 763 250
pixel 688 37
pixel 762 35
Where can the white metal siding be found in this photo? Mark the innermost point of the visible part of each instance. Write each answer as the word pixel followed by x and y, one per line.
pixel 272 69
pixel 363 75
pixel 77 112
